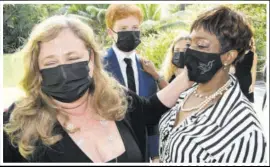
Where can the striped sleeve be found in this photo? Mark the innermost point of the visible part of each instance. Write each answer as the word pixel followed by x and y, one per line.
pixel 250 148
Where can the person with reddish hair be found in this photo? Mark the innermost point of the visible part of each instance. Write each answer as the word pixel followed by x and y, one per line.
pixel 123 22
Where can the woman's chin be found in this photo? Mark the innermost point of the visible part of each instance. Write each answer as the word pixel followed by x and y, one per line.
pixel 74 104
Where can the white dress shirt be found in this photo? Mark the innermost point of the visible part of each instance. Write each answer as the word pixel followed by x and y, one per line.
pixel 120 57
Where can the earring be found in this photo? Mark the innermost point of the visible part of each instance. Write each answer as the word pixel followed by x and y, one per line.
pixel 225 66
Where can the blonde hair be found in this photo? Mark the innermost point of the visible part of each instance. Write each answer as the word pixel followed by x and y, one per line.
pixel 35 115
pixel 167 68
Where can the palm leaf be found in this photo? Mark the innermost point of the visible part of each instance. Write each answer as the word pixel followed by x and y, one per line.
pixel 177 24
pixel 83 18
pixel 157 13
pixel 92 10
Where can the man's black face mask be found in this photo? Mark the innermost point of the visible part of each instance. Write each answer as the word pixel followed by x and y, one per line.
pixel 128 40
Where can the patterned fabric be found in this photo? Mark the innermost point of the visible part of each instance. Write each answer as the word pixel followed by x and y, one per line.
pixel 226 132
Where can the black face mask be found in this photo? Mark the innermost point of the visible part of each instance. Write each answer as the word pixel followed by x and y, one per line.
pixel 202 66
pixel 128 40
pixel 179 59
pixel 68 82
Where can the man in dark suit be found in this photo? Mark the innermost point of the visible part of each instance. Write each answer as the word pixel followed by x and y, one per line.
pixel 123 22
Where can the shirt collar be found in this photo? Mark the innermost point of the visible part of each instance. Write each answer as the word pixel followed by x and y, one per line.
pixel 231 95
pixel 122 55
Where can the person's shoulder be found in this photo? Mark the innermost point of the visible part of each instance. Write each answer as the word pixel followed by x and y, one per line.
pixel 108 53
pixel 137 55
pixel 248 113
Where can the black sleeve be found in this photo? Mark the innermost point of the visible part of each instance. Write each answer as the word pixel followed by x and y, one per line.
pixel 172 78
pixel 11 153
pixel 151 109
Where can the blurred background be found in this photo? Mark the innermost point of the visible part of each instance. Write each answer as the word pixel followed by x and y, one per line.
pixel 161 24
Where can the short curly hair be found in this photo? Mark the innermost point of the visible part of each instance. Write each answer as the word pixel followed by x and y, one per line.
pixel 120 11
pixel 230 27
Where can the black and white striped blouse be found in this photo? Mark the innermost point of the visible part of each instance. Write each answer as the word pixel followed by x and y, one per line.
pixel 226 132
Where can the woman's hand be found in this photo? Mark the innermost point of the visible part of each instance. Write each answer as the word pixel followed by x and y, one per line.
pixel 251 88
pixel 232 69
pixel 184 78
pixel 149 67
pixel 169 95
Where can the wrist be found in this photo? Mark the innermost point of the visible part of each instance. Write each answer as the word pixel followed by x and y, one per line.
pixel 159 79
pixel 156 76
pixel 184 80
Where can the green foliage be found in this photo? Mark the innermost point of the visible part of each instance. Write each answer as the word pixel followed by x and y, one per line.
pixel 151 11
pixel 94 16
pixel 74 8
pixel 173 8
pixel 256 14
pixel 18 21
pixel 173 21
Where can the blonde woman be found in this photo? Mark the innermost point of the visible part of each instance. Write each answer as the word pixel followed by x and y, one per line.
pixel 170 69
pixel 173 64
pixel 73 110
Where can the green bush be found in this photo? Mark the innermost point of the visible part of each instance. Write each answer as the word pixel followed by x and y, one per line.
pixel 18 21
pixel 256 14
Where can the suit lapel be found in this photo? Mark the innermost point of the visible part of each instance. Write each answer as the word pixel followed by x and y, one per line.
pixel 114 66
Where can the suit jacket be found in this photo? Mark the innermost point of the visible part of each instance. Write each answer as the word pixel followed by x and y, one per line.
pixel 147 88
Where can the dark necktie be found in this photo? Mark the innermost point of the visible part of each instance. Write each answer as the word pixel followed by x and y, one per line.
pixel 130 75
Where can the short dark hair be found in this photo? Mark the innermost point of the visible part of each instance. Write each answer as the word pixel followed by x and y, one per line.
pixel 231 28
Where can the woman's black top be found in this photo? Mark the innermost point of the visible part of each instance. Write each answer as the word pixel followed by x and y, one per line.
pixel 172 78
pixel 141 112
pixel 243 74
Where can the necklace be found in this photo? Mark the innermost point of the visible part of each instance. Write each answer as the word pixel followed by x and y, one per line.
pixel 104 124
pixel 199 95
pixel 220 91
pixel 70 127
